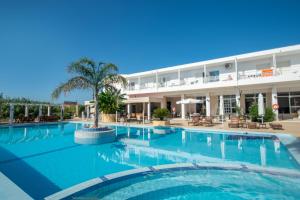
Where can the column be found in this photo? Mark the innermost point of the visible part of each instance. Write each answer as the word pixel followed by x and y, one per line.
pixel 182 107
pixel 77 110
pixel 236 69
pixel 11 113
pixel 207 102
pixel 40 110
pixel 149 110
pixel 156 80
pixel 275 101
pixel 163 103
pixel 62 112
pixel 26 110
pixel 49 111
pixel 204 71
pixel 139 82
pixel 88 112
pixel 179 77
pixel 143 112
pixel 274 64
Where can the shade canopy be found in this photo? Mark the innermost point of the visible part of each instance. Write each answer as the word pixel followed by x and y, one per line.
pixel 189 101
pixel 261 109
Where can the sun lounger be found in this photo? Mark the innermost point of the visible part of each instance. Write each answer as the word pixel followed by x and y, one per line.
pixel 276 126
pixel 252 125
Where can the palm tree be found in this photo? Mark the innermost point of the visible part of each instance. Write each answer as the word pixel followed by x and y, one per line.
pixel 91 75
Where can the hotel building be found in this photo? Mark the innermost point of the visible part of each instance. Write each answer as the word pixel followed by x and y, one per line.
pixel 239 79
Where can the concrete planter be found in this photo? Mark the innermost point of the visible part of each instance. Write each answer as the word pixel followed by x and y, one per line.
pixel 108 118
pixel 94 135
pixel 161 123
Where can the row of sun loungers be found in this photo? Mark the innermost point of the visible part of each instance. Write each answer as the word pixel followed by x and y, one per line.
pixel 39 119
pixel 200 121
pixel 236 122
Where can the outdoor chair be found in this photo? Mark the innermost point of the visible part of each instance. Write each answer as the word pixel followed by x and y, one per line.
pixel 234 122
pixel 252 125
pixel 276 126
pixel 207 122
pixel 195 121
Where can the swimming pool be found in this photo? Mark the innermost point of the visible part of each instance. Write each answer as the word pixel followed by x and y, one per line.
pixel 47 157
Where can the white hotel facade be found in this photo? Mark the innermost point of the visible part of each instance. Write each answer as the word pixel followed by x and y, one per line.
pixel 239 79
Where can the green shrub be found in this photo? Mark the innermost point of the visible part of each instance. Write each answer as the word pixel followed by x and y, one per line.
pixel 269 115
pixel 161 113
pixel 253 112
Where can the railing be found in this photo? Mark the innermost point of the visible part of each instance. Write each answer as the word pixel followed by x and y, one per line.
pixel 265 73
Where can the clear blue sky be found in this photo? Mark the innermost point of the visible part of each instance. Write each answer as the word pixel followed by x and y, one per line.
pixel 38 39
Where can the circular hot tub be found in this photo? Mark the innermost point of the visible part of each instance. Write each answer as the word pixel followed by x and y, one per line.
pixel 94 135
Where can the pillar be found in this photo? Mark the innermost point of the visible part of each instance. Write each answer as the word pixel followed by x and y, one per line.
pixel 236 69
pixel 40 110
pixel 87 112
pixel 49 111
pixel 274 64
pixel 62 112
pixel 207 102
pixel 163 103
pixel 77 110
pixel 11 113
pixel 182 107
pixel 275 101
pixel 143 113
pixel 26 110
pixel 149 110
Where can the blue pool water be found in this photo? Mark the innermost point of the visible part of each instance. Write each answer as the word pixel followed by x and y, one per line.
pixel 44 159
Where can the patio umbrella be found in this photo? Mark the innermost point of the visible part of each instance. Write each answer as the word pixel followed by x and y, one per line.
pixel 261 109
pixel 189 101
pixel 221 108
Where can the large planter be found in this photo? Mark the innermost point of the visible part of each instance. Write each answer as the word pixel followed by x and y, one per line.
pixel 94 135
pixel 161 123
pixel 108 117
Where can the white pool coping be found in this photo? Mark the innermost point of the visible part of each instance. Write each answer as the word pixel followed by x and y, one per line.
pixel 178 166
pixel 9 190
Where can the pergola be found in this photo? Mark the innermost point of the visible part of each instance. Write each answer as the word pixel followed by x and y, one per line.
pixel 143 100
pixel 27 105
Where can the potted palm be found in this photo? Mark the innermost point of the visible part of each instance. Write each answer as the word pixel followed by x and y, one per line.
pixel 110 102
pixel 160 115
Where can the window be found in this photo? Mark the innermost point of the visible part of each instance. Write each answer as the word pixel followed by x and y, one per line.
pixel 286 63
pixel 289 102
pixel 229 104
pixel 214 76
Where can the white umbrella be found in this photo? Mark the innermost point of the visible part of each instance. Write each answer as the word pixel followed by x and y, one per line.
pixel 221 108
pixel 189 101
pixel 261 109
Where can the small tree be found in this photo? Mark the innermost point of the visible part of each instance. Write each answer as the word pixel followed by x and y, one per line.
pixel 253 112
pixel 161 113
pixel 110 101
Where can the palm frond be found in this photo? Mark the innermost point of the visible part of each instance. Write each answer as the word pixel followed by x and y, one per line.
pixel 78 82
pixel 84 67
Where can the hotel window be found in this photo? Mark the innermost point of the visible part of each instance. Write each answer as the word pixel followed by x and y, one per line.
pixel 289 102
pixel 214 76
pixel 229 104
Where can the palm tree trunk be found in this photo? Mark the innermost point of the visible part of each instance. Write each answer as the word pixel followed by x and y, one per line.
pixel 96 119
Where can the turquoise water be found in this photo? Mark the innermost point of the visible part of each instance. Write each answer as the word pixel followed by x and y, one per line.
pixel 199 184
pixel 47 157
